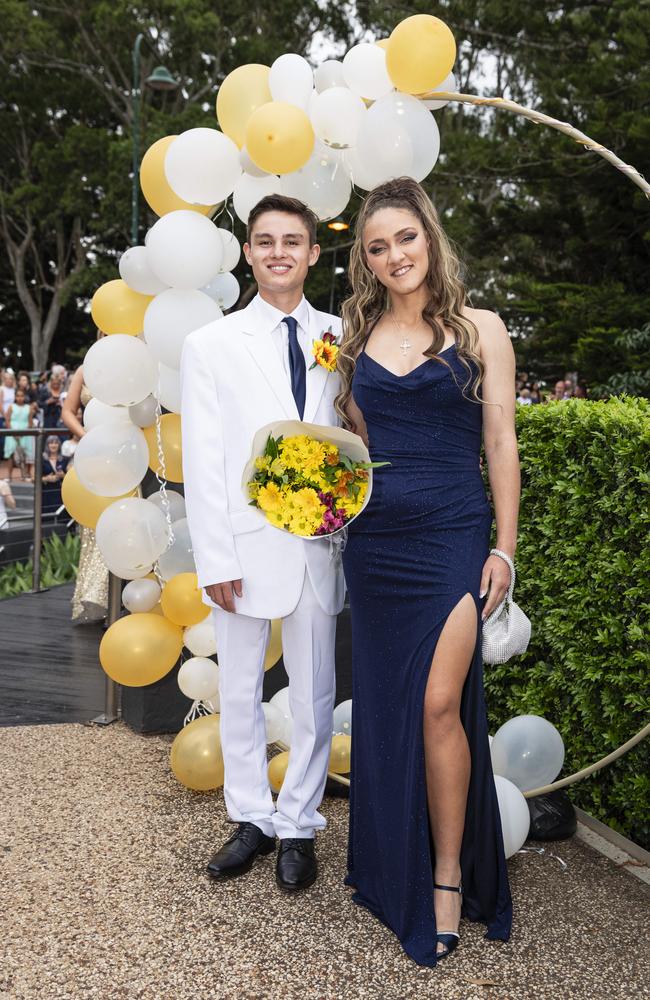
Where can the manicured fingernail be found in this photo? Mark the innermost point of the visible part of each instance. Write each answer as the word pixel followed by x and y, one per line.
pixel 482 594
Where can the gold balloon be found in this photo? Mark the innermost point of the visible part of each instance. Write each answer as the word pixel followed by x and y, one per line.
pixel 242 92
pixel 181 600
pixel 277 770
pixel 116 308
pixel 157 192
pixel 274 648
pixel 196 758
pixel 140 649
pixel 340 754
pixel 420 54
pixel 382 43
pixel 157 608
pixel 170 437
pixel 84 506
pixel 279 138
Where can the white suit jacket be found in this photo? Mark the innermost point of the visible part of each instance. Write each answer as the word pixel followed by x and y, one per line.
pixel 233 383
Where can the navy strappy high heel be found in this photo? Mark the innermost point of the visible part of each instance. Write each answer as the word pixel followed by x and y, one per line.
pixel 449 939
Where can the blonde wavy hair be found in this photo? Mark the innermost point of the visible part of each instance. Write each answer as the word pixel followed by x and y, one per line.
pixel 370 299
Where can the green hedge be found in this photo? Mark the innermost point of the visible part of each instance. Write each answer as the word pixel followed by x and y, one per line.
pixel 583 563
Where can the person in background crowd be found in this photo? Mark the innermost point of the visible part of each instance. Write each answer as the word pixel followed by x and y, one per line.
pixel 54 466
pixel 559 392
pixel 579 392
pixel 51 401
pixel 535 393
pixel 24 382
pixel 20 416
pixel 524 397
pixel 6 500
pixel 7 389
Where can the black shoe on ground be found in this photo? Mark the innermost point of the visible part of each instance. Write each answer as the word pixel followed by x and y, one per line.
pixel 296 865
pixel 237 855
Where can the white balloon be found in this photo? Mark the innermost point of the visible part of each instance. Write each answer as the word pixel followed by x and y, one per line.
pixel 97 413
pixel 184 249
pixel 120 370
pixel 448 84
pixel 323 184
pixel 249 190
pixel 248 166
pixel 171 316
pixel 364 71
pixel 286 732
pixel 224 289
pixel 342 718
pixel 528 750
pixel 179 557
pixel 176 504
pixel 363 175
pixel 336 116
pixel 141 596
pixel 198 679
pixel 515 816
pixel 202 166
pixel 200 639
pixel 398 137
pixel 291 80
pixel 274 721
pixel 127 572
pixel 132 532
pixel 281 701
pixel 111 459
pixel 168 389
pixel 231 250
pixel 329 74
pixel 143 414
pixel 135 271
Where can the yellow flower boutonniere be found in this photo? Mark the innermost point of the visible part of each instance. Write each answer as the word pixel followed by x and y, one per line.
pixel 325 351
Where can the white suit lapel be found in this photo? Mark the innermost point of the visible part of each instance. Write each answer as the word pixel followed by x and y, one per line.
pixel 317 377
pixel 260 344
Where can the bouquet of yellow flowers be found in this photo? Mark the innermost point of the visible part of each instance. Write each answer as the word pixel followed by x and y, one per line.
pixel 304 482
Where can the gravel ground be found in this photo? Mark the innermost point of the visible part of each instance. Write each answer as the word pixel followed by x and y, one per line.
pixel 104 895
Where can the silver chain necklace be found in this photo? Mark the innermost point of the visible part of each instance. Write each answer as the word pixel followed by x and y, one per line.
pixel 405 345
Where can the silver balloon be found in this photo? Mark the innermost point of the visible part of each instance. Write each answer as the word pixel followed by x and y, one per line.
pixel 342 718
pixel 132 532
pixel 528 750
pixel 140 596
pixel 200 639
pixel 143 414
pixel 515 817
pixel 274 721
pixel 179 557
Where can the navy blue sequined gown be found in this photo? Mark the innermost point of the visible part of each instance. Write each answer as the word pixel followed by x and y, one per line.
pixel 411 556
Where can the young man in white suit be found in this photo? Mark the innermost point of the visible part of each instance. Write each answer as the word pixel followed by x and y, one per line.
pixel 238 374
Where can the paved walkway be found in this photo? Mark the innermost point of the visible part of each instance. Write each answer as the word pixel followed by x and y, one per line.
pixel 104 896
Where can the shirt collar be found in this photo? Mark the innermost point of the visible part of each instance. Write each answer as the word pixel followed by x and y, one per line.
pixel 272 317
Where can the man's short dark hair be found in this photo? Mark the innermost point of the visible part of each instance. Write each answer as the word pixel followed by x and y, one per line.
pixel 291 206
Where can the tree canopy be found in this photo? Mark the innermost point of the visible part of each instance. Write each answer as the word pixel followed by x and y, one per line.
pixel 554 238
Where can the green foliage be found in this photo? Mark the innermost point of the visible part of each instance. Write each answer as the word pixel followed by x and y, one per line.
pixel 583 569
pixel 59 561
pixel 626 356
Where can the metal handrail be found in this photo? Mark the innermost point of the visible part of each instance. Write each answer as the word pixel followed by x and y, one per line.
pixel 37 543
pixel 111 694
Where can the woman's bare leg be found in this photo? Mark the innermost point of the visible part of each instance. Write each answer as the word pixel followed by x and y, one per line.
pixel 447 756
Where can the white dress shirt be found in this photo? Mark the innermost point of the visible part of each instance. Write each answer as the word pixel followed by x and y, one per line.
pixel 279 330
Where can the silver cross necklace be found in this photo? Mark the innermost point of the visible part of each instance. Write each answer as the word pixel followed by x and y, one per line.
pixel 405 345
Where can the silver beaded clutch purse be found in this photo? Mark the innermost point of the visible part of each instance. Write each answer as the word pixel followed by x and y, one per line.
pixel 506 632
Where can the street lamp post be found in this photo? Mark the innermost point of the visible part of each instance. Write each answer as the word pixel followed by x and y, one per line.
pixel 160 79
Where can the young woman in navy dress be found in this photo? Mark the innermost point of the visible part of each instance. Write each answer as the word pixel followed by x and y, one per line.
pixel 427 381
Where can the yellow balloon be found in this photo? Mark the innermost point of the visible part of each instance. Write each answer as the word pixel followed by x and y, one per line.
pixel 181 600
pixel 382 43
pixel 277 770
pixel 279 138
pixel 170 437
pixel 157 608
pixel 242 92
pixel 274 648
pixel 116 308
pixel 196 758
pixel 157 192
pixel 84 506
pixel 340 754
pixel 420 54
pixel 140 649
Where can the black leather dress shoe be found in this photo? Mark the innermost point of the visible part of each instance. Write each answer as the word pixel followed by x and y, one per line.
pixel 296 865
pixel 237 855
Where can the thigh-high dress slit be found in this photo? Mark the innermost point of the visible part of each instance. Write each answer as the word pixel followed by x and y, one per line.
pixel 414 553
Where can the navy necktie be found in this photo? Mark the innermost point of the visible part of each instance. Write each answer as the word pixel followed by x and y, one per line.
pixel 296 365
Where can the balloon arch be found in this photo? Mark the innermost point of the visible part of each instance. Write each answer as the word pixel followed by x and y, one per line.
pixel 311 134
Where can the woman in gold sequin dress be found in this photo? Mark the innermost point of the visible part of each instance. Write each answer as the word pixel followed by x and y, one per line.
pixel 90 598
